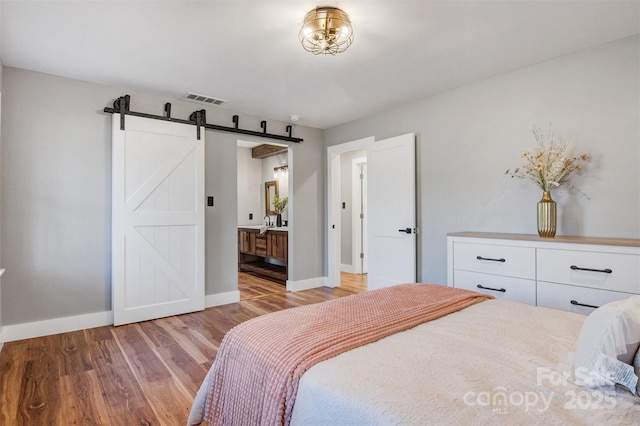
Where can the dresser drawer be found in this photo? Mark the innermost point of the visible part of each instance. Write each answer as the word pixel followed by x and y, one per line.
pixel 559 296
pixel 509 261
pixel 516 289
pixel 606 271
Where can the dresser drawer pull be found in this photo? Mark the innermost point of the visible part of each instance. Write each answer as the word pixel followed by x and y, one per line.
pixel 577 268
pixel 502 290
pixel 574 302
pixel 493 260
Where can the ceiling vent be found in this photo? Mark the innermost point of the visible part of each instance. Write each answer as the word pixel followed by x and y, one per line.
pixel 205 99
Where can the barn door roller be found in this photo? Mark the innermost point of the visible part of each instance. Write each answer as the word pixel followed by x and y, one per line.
pixel 198 119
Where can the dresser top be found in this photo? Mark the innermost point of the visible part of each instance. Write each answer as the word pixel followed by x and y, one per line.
pixel 627 242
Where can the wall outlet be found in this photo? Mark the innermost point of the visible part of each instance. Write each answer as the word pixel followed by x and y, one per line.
pixel 250 216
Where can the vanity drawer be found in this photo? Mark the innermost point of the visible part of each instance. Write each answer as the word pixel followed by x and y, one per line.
pixel 516 289
pixel 261 245
pixel 509 261
pixel 605 271
pixel 560 296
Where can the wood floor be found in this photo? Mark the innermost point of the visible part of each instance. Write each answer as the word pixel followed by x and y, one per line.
pixel 252 287
pixel 140 374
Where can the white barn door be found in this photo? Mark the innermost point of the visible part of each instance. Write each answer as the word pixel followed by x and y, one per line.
pixel 157 219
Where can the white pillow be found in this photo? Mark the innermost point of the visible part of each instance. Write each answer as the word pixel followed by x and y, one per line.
pixel 610 334
pixel 636 367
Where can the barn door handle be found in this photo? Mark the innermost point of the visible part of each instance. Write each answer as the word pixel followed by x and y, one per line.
pixel 577 268
pixel 406 230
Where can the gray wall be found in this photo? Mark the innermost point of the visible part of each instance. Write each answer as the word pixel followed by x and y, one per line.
pixel 468 137
pixel 55 181
pixel 306 208
pixel 252 175
pixel 1 263
pixel 250 188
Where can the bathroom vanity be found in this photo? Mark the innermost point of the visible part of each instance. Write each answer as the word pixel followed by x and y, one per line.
pixel 264 254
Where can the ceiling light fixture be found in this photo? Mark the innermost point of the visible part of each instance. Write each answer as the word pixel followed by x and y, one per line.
pixel 326 31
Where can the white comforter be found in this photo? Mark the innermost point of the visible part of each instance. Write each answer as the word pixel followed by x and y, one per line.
pixel 495 362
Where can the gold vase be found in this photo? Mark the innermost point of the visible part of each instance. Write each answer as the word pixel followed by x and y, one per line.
pixel 547 216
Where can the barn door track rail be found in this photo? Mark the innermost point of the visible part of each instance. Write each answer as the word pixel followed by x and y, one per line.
pixel 197 118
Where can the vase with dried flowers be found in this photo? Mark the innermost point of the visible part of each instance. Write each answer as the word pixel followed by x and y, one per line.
pixel 279 204
pixel 549 166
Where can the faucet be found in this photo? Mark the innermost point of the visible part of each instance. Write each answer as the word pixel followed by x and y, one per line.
pixel 268 220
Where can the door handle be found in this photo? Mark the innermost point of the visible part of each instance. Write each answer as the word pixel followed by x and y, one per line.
pixel 406 230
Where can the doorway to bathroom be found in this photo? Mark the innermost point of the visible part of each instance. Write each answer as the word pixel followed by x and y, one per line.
pixel 347 239
pixel 263 218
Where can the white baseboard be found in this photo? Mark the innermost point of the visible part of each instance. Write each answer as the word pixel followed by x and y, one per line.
pixel 305 284
pixel 348 268
pixel 221 298
pixel 13 332
pixel 327 283
pixel 55 326
pixel 1 328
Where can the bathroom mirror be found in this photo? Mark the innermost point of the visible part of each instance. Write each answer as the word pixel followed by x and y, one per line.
pixel 271 192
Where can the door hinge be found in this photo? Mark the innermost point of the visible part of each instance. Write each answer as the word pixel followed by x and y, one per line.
pixel 361 255
pixel 361 215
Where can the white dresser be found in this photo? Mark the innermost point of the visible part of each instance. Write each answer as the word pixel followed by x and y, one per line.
pixel 571 273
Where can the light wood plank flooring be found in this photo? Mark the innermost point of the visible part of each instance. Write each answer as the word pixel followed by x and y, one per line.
pixel 139 374
pixel 353 282
pixel 252 287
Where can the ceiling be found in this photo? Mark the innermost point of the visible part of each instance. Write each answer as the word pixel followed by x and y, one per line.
pixel 247 52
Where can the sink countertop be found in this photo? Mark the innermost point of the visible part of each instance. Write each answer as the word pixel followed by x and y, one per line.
pixel 273 228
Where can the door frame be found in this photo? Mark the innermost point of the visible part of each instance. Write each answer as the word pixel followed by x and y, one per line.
pixel 358 238
pixel 290 207
pixel 334 225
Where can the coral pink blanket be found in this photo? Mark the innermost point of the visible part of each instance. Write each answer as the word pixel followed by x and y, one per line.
pixel 259 364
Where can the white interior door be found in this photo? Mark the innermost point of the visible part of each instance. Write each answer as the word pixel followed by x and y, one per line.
pixel 392 212
pixel 157 219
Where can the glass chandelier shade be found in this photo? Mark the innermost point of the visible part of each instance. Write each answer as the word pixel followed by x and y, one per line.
pixel 280 172
pixel 326 31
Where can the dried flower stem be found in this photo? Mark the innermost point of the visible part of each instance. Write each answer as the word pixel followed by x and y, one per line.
pixel 550 165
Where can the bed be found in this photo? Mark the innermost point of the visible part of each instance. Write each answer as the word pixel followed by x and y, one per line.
pixel 491 361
